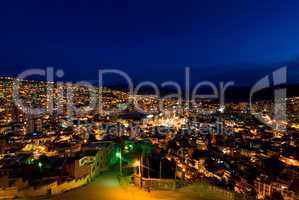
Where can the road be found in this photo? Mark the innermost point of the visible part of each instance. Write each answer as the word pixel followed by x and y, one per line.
pixel 108 187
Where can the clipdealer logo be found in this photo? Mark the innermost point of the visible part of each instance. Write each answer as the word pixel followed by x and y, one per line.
pixel 278 120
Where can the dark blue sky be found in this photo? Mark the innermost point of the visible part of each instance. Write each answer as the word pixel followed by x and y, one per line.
pixel 150 39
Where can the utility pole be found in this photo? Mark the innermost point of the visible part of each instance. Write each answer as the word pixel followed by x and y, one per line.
pixel 119 155
pixel 160 168
pixel 175 175
pixel 120 164
pixel 148 167
pixel 141 169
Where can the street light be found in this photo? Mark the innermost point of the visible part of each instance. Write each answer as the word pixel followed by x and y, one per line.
pixel 131 146
pixel 118 155
pixel 138 164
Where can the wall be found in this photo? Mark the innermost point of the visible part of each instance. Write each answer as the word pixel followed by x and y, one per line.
pixel 8 193
pixel 53 188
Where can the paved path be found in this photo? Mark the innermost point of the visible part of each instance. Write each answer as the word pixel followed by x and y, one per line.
pixel 107 187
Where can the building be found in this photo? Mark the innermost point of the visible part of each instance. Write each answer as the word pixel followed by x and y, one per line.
pixel 94 160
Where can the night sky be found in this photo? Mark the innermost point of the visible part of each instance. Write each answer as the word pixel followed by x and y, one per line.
pixel 239 40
